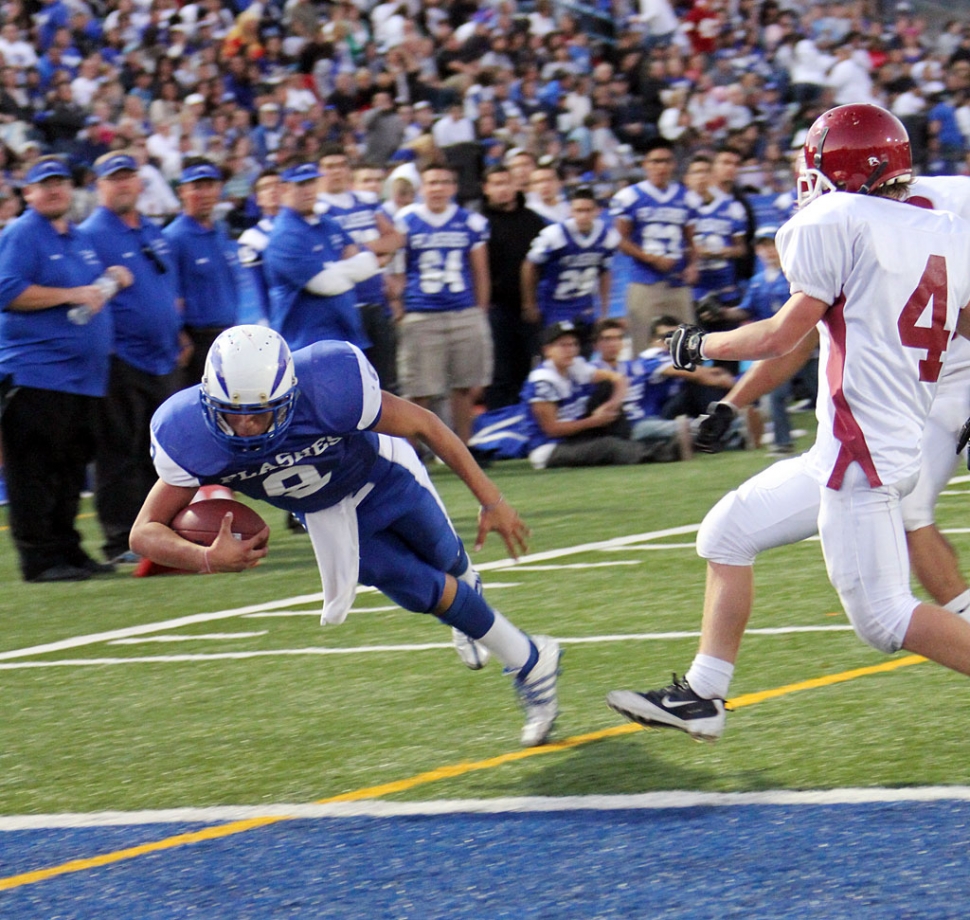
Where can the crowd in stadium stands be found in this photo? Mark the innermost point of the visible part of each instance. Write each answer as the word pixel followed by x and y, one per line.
pixel 224 110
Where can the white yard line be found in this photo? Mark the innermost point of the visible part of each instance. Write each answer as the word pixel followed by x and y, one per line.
pixel 147 628
pixel 383 649
pixel 384 809
pixel 185 637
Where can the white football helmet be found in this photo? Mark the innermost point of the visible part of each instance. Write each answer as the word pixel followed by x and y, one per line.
pixel 249 370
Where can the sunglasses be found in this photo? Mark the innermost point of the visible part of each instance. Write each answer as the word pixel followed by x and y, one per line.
pixel 152 257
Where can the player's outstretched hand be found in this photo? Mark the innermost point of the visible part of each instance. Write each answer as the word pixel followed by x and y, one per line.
pixel 685 346
pixel 505 521
pixel 713 428
pixel 227 554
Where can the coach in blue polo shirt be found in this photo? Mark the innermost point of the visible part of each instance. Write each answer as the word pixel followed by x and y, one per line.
pixel 147 327
pixel 55 338
pixel 207 272
pixel 312 266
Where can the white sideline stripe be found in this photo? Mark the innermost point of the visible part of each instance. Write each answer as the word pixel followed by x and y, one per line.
pixel 378 649
pixel 146 628
pixel 382 809
pixel 169 637
pixel 652 546
pixel 575 565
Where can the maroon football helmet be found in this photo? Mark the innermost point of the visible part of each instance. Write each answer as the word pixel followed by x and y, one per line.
pixel 854 148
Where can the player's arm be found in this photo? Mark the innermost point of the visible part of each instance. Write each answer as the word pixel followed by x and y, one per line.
pixel 389 241
pixel 606 282
pixel 530 283
pixel 624 226
pixel 406 420
pixel 620 386
pixel 768 338
pixel 153 537
pixel 478 258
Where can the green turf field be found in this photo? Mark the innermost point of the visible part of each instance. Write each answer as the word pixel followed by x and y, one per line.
pixel 290 726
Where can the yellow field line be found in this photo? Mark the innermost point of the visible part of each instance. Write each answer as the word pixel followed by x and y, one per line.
pixel 431 776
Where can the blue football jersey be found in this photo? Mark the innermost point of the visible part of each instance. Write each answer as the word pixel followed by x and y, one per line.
pixel 254 297
pixel 570 393
pixel 435 258
pixel 715 226
pixel 658 220
pixel 355 212
pixel 651 388
pixel 570 268
pixel 327 453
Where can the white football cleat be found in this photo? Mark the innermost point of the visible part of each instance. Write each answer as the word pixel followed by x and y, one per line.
pixel 473 654
pixel 537 693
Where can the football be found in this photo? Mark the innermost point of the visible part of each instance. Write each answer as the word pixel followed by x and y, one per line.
pixel 200 521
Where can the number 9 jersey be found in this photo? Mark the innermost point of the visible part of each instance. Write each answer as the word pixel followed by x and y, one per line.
pixel 434 260
pixel 897 277
pixel 327 452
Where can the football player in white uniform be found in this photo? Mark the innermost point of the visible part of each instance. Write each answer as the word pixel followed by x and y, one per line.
pixel 848 258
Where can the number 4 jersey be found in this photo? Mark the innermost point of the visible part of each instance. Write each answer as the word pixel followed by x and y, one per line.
pixel 897 277
pixel 326 454
pixel 435 259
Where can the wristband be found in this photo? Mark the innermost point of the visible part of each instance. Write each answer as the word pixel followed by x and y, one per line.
pixel 491 507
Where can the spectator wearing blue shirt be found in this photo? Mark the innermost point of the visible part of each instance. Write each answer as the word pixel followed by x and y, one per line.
pixel 254 304
pixel 654 219
pixel 312 266
pixel 361 216
pixel 767 293
pixel 207 272
pixel 146 348
pixel 55 339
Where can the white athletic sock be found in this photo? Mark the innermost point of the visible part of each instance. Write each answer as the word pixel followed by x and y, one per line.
pixel 507 643
pixel 960 605
pixel 710 677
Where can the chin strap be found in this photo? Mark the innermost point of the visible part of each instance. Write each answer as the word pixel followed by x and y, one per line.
pixel 874 177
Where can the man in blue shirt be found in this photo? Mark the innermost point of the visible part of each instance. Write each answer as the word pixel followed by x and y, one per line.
pixel 654 220
pixel 442 284
pixel 206 262
pixel 254 304
pixel 146 348
pixel 55 339
pixel 566 274
pixel 313 434
pixel 312 266
pixel 361 215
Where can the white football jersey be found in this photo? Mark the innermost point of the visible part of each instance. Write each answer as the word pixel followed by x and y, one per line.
pixel 897 277
pixel 947 193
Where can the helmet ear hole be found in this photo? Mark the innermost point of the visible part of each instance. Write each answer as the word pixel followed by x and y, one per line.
pixel 248 371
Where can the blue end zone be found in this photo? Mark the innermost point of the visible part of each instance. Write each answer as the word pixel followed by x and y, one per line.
pixel 835 861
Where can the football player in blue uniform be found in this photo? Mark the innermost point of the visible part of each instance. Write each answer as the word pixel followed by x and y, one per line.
pixel 313 433
pixel 567 269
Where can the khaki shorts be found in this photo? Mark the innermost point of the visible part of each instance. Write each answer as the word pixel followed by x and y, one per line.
pixel 647 302
pixel 440 352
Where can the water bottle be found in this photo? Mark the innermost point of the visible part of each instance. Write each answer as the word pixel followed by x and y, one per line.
pixel 82 313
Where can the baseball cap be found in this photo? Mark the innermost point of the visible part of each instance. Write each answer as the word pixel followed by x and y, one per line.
pixel 200 171
pixel 269 107
pixel 556 331
pixel 302 173
pixel 115 163
pixel 194 99
pixel 765 233
pixel 47 169
pixel 422 104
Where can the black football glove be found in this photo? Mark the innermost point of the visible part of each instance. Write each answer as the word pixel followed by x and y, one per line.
pixel 685 346
pixel 963 438
pixel 713 428
pixel 709 311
